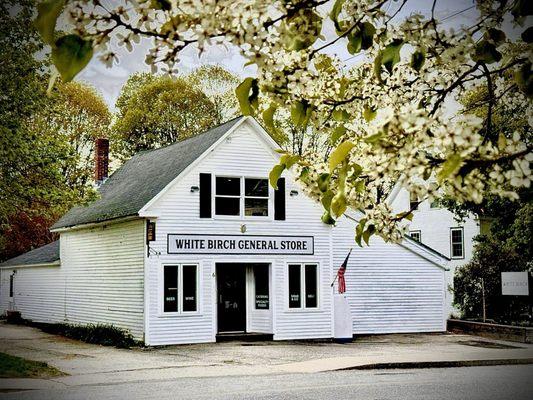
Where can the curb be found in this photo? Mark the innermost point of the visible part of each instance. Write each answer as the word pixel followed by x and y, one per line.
pixel 440 364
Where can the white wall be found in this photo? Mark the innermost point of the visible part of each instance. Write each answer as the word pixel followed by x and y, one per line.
pixel 434 225
pixel 247 155
pixel 389 287
pixel 104 272
pixel 100 280
pixel 38 293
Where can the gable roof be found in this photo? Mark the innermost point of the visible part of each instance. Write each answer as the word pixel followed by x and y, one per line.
pixel 142 177
pixel 47 254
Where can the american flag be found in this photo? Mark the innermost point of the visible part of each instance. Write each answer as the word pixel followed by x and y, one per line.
pixel 340 274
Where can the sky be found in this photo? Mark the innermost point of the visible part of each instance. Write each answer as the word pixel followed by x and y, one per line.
pixel 108 81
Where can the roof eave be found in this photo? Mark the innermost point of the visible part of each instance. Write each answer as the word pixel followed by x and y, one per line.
pixel 56 263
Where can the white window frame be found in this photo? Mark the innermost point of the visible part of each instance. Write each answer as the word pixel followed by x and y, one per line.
pixel 303 291
pixel 242 197
pixel 419 232
pixel 461 229
pixel 161 294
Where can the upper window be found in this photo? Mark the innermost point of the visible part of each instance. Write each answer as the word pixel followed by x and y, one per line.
pixel 416 235
pixel 303 285
pixel 457 242
pixel 235 196
pixel 180 288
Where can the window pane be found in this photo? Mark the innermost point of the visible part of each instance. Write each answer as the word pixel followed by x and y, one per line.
pixel 261 287
pixel 189 288
pixel 227 205
pixel 256 187
pixel 170 283
pixel 457 250
pixel 294 286
pixel 256 207
pixel 228 186
pixel 311 290
pixel 457 236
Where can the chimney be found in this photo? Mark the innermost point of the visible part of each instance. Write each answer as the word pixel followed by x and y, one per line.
pixel 101 160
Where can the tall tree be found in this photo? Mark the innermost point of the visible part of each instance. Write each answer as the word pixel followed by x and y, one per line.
pixel 154 111
pixel 218 84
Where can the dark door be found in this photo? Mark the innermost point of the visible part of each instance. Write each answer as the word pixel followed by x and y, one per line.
pixel 231 285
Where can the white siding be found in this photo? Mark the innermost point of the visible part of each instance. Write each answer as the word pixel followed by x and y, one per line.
pixel 100 280
pixel 434 225
pixel 104 273
pixel 38 293
pixel 178 209
pixel 389 288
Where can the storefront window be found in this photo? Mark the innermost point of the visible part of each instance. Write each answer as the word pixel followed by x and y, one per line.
pixel 180 280
pixel 189 288
pixel 295 286
pixel 170 294
pixel 303 283
pixel 262 299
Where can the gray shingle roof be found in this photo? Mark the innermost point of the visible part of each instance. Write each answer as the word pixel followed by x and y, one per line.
pixel 141 178
pixel 42 255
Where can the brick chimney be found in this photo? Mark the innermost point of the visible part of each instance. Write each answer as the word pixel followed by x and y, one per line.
pixel 101 160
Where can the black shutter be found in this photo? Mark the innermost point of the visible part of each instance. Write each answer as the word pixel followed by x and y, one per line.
pixel 279 200
pixel 205 195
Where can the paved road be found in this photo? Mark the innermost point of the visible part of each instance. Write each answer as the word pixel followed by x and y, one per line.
pixel 501 382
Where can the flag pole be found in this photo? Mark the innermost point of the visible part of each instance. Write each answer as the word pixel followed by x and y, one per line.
pixel 337 275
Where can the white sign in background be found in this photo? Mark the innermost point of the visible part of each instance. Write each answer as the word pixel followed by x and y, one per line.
pixel 515 283
pixel 239 244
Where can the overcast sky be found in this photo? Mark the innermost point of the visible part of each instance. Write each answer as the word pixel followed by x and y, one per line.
pixel 109 80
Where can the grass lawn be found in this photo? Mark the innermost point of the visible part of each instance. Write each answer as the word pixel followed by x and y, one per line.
pixel 16 367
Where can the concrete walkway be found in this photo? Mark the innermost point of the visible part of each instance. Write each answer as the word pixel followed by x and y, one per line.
pixel 87 364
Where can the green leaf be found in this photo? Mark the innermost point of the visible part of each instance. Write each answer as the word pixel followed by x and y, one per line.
pixel 301 30
pixel 334 14
pixel 327 218
pixel 288 160
pixel 304 175
pixel 356 170
pixel 355 41
pixel 496 36
pixel 339 154
pixel 338 204
pixel 360 186
pixel 388 57
pixel 524 79
pixel 323 181
pixel 376 137
pixel 47 14
pixel 340 115
pixel 359 231
pixel 367 35
pixel 275 174
pixel 165 5
pixel 268 116
pixel 246 99
pixel 298 113
pixel 70 55
pixel 449 167
pixel 338 132
pixel 486 52
pixel 369 113
pixel 405 215
pixel 326 199
pixel 418 59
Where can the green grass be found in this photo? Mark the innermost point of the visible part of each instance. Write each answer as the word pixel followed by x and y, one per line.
pixel 16 367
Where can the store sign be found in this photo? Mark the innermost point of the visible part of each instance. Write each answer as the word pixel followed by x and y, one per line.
pixel 515 283
pixel 239 244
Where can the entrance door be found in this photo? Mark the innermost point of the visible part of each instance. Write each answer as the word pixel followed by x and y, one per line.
pixel 231 285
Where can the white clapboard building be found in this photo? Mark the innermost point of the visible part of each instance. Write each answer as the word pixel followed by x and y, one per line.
pixel 440 229
pixel 189 242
